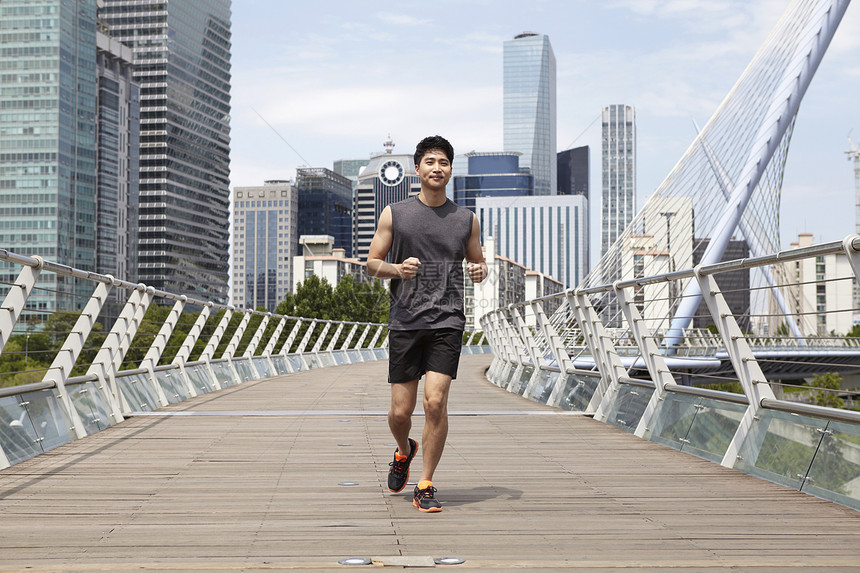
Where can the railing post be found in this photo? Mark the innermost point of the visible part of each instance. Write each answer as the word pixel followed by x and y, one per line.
pixel 556 346
pixel 288 343
pixel 153 355
pixel 359 345
pixel 334 338
pixel 112 352
pixel 15 300
pixel 743 361
pixel 650 353
pixel 604 354
pixel 230 350
pixel 321 338
pixel 350 335
pixel 188 346
pixel 61 368
pixel 273 339
pixel 214 341
pixel 255 341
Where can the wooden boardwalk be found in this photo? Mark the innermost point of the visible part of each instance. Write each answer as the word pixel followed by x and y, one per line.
pixel 250 479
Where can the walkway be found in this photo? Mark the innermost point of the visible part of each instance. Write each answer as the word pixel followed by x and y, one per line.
pixel 250 479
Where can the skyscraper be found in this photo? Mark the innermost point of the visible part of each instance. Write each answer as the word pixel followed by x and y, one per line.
pixel 491 174
pixel 529 107
pixel 388 178
pixel 619 172
pixel 265 241
pixel 546 234
pixel 118 132
pixel 325 206
pixel 573 171
pixel 182 63
pixel 48 141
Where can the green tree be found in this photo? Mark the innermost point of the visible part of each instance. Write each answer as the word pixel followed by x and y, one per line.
pixel 826 386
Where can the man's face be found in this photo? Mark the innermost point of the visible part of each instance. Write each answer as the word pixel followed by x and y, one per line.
pixel 434 170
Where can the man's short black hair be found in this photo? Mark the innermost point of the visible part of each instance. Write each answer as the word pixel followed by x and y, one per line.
pixel 431 143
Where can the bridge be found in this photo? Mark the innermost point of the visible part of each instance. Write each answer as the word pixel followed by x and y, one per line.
pixel 289 473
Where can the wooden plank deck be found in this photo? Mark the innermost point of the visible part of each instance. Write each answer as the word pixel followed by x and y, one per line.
pixel 247 479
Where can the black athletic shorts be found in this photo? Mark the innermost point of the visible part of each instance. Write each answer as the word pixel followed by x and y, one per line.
pixel 411 353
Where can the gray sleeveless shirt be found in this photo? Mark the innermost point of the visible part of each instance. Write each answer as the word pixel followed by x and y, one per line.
pixel 436 236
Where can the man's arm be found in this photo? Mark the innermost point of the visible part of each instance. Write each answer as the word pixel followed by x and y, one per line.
pixel 477 266
pixel 379 247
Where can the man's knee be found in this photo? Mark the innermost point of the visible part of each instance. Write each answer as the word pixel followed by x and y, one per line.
pixel 435 406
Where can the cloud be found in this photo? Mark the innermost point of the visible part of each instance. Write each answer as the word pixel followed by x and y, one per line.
pixel 402 19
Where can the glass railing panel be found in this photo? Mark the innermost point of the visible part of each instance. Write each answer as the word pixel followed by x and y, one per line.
pixel 262 366
pixel 17 434
pixel 780 447
pixel 353 356
pixel 312 360
pixel 543 386
pixel 672 419
pixel 326 359
pixel 367 354
pixel 199 378
pixel 381 353
pixel 50 421
pixel 506 373
pixel 518 386
pixel 243 369
pixel 577 392
pixel 138 393
pixel 173 386
pixel 280 364
pixel 835 471
pixel 91 405
pixel 628 406
pixel 713 428
pixel 295 362
pixel 224 374
pixel 340 357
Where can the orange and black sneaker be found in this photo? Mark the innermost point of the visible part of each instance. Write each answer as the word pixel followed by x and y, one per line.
pixel 398 472
pixel 424 498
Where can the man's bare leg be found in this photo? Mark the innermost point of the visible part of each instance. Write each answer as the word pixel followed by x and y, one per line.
pixel 436 386
pixel 403 398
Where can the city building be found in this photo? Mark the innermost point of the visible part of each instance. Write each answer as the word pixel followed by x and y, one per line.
pixel 494 174
pixel 821 292
pixel 265 239
pixel 734 285
pixel 573 171
pixel 320 257
pixel 548 234
pixel 325 205
pixel 618 173
pixel 388 178
pixel 530 107
pixel 505 284
pixel 350 168
pixel 117 160
pixel 182 63
pixel 48 111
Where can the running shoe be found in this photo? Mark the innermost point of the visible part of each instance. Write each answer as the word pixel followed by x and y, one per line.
pixel 398 473
pixel 424 498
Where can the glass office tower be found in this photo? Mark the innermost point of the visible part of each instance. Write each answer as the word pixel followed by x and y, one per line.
pixel 619 172
pixel 182 63
pixel 48 140
pixel 530 108
pixel 325 206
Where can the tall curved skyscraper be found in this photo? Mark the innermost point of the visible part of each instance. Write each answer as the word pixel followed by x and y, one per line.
pixel 182 62
pixel 530 107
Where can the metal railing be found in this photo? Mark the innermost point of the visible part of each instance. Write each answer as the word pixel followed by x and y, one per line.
pixel 90 386
pixel 605 352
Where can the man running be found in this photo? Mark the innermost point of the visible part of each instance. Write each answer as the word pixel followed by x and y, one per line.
pixel 427 237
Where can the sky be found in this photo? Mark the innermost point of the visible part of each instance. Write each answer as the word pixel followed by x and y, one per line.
pixel 314 82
